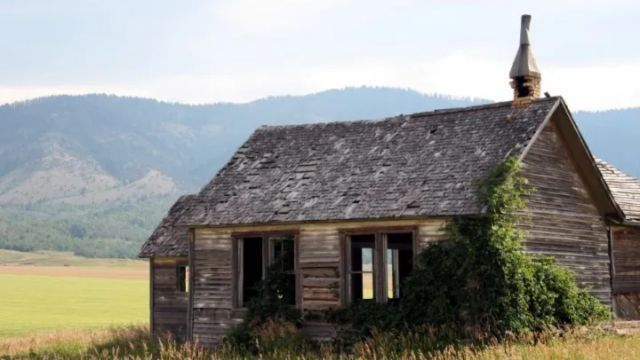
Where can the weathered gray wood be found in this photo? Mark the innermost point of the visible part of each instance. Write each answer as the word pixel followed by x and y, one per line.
pixel 319 261
pixel 626 252
pixel 169 306
pixel 563 220
pixel 212 285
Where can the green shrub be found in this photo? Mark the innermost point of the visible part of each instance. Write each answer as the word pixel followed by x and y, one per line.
pixel 480 283
pixel 267 311
pixel 477 285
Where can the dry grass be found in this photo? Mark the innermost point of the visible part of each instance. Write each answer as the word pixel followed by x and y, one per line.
pixel 133 343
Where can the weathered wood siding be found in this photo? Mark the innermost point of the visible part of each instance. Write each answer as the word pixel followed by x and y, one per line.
pixel 212 286
pixel 429 232
pixel 626 259
pixel 319 261
pixel 626 271
pixel 169 306
pixel 564 222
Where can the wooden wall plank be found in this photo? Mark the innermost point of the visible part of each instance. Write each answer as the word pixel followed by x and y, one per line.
pixel 168 305
pixel 626 254
pixel 211 296
pixel 562 220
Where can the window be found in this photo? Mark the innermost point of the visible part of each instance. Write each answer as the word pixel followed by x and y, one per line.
pixel 182 278
pixel 377 263
pixel 399 261
pixel 283 261
pixel 255 255
pixel 252 267
pixel 362 275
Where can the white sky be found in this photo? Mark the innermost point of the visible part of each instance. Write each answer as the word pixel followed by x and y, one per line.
pixel 197 51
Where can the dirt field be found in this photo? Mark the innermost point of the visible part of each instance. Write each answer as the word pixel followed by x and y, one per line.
pixel 76 271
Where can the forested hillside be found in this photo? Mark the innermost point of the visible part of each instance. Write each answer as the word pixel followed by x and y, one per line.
pixel 94 174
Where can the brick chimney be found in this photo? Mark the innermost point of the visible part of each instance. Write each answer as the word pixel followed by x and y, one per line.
pixel 525 75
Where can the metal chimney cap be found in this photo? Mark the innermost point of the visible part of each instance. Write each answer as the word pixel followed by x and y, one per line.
pixel 524 64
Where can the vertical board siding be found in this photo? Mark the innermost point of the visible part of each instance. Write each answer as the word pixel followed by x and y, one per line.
pixel 170 306
pixel 212 286
pixel 562 220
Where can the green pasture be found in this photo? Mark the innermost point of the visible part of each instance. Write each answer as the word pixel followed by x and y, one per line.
pixel 32 303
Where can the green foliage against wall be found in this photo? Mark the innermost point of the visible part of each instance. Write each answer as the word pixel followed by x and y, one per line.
pixel 480 281
pixel 475 285
pixel 268 314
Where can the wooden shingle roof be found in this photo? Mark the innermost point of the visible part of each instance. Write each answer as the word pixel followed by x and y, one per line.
pixel 168 239
pixel 424 164
pixel 625 190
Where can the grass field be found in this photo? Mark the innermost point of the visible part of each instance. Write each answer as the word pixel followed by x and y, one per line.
pixel 42 292
pixel 133 343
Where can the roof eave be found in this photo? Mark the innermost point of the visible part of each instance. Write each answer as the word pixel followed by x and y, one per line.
pixel 611 206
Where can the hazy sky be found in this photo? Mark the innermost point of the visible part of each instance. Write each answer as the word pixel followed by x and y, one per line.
pixel 198 51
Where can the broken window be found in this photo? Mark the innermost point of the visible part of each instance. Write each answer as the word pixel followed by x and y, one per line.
pixel 377 264
pixel 256 254
pixel 182 278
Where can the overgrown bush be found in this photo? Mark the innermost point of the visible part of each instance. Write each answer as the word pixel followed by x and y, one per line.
pixel 477 285
pixel 266 313
pixel 480 283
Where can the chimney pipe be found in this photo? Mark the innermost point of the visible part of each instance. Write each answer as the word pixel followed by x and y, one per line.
pixel 525 75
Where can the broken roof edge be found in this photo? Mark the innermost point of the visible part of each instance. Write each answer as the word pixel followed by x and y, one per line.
pixel 164 241
pixel 632 219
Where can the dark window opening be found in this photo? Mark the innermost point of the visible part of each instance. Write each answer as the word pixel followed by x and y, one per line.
pixel 521 88
pixel 182 278
pixel 362 267
pixel 399 262
pixel 251 267
pixel 259 253
pixel 283 262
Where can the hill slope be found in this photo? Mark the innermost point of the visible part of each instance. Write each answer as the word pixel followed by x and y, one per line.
pixel 94 174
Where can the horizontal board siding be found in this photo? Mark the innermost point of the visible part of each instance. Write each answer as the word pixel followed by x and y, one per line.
pixel 626 260
pixel 562 220
pixel 429 232
pixel 169 305
pixel 210 325
pixel 212 285
pixel 319 261
pixel 319 264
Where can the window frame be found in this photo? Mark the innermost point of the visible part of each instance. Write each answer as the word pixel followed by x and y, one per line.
pixel 183 274
pixel 379 261
pixel 267 258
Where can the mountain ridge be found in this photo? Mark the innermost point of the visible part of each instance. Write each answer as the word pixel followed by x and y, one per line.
pixel 66 161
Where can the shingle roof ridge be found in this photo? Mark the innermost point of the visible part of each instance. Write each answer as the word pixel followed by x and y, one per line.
pixel 401 116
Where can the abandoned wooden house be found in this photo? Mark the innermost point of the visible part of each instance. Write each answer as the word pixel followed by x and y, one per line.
pixel 349 204
pixel 625 242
